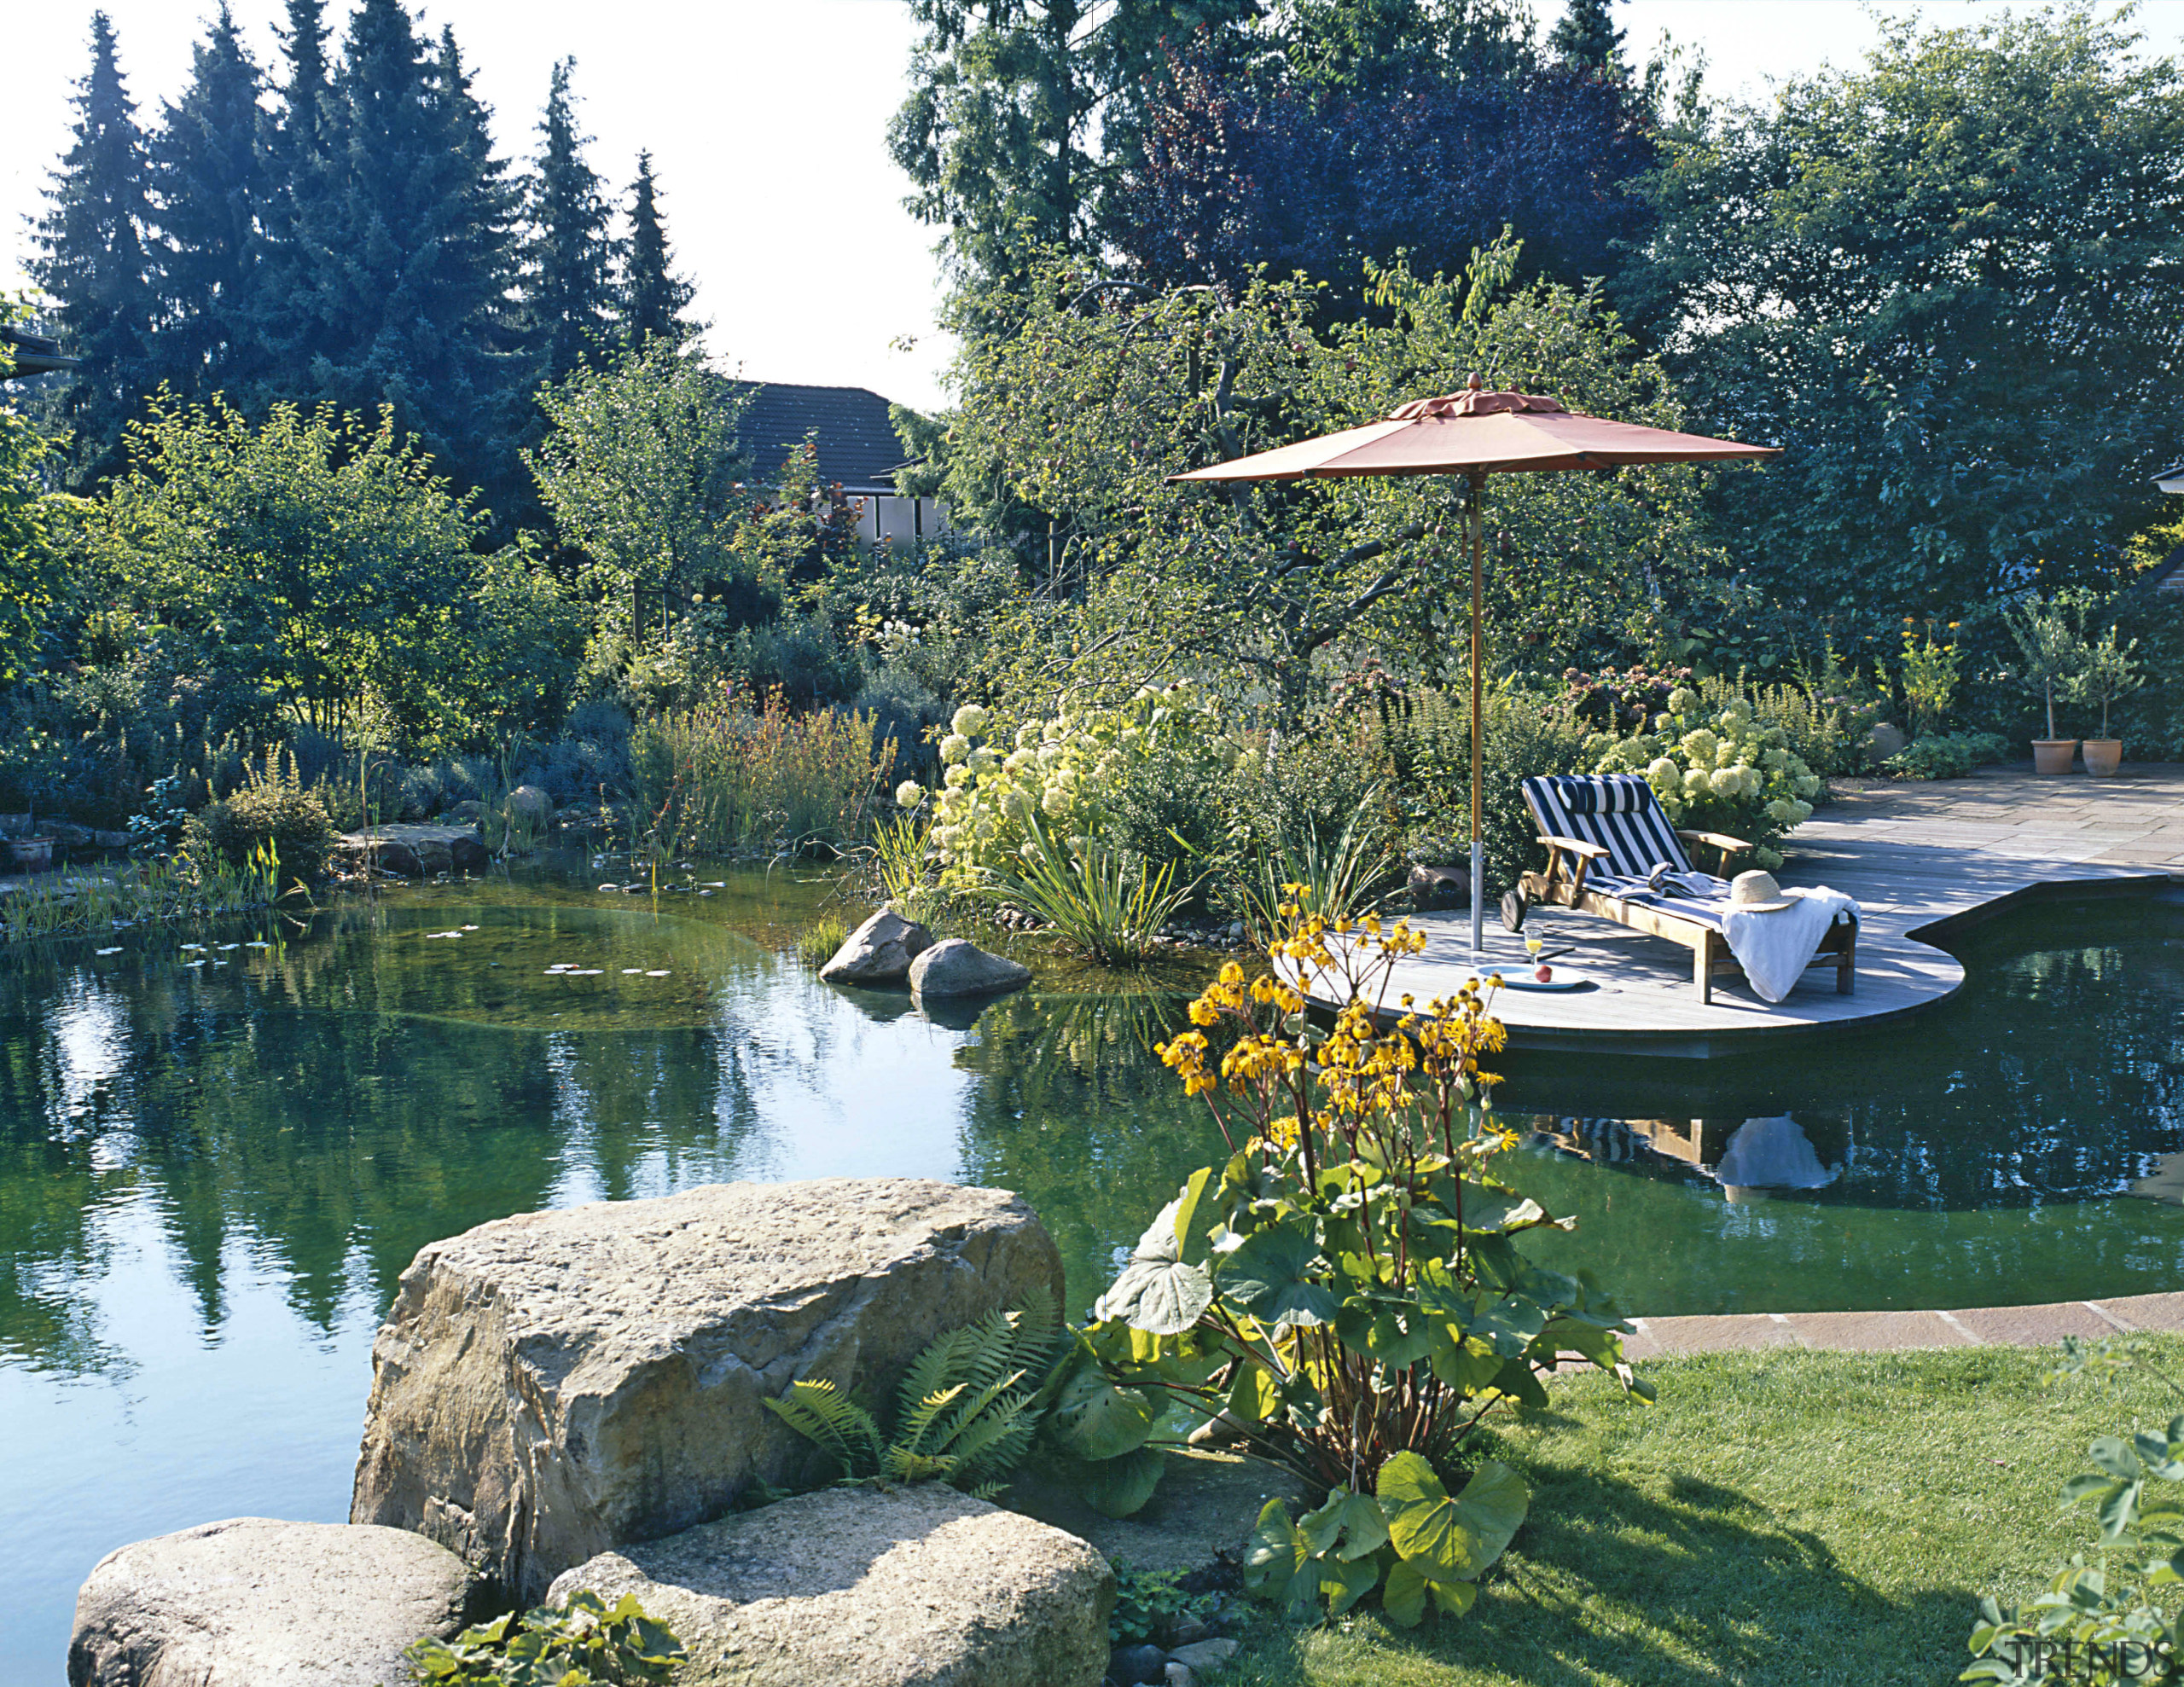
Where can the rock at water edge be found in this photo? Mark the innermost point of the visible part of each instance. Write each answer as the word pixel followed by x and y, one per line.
pixel 856 1587
pixel 956 966
pixel 551 1385
pixel 878 952
pixel 252 1601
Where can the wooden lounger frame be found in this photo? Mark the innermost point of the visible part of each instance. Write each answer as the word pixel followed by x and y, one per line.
pixel 1563 885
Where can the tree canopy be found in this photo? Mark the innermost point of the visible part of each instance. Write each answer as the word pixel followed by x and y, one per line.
pixel 1950 284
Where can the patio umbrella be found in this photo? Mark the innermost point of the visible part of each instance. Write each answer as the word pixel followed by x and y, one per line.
pixel 1475 433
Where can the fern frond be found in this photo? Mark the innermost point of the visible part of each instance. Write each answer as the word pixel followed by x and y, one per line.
pixel 989 1492
pixel 845 1430
pixel 915 1431
pixel 973 1407
pixel 907 1465
pixel 995 1442
pixel 932 1371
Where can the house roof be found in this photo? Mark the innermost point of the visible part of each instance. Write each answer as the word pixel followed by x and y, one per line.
pixel 857 444
pixel 31 354
pixel 2167 474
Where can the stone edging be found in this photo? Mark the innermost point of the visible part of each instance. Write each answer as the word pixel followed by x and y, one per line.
pixel 1893 1331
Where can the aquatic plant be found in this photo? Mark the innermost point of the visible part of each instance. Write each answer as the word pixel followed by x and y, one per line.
pixel 817 943
pixel 722 776
pixel 1336 881
pixel 1344 1295
pixel 188 886
pixel 1102 903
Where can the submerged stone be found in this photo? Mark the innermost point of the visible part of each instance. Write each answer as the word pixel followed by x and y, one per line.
pixel 878 952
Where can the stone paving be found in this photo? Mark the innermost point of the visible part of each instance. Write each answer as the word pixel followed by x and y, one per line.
pixel 1887 1331
pixel 2134 819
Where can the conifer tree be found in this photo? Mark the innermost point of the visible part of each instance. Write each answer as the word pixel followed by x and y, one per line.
pixel 1586 38
pixel 210 194
pixel 93 262
pixel 299 146
pixel 412 279
pixel 653 297
pixel 568 274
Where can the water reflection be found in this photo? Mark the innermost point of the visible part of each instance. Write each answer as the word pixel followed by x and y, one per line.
pixel 1748 1158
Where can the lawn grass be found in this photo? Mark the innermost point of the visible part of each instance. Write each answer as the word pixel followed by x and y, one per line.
pixel 1785 1516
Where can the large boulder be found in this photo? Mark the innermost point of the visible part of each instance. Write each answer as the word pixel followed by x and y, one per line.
pixel 418 850
pixel 551 1385
pixel 878 952
pixel 858 1588
pixel 252 1601
pixel 956 966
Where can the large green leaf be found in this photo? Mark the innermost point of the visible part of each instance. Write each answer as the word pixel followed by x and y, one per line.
pixel 1450 1540
pixel 1350 1525
pixel 1404 1598
pixel 1118 1487
pixel 1092 1418
pixel 1158 1291
pixel 1275 1555
pixel 1343 1583
pixel 1267 1276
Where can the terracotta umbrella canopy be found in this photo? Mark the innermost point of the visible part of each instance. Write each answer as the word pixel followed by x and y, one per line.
pixel 1475 433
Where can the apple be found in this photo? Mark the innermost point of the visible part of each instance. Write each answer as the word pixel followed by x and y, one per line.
pixel 1544 975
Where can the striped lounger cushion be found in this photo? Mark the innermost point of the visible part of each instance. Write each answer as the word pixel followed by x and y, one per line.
pixel 1620 814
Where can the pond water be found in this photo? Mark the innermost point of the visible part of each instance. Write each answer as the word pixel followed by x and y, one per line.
pixel 215 1161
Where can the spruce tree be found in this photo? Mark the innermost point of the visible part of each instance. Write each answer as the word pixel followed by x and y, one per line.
pixel 1586 38
pixel 568 260
pixel 412 278
pixel 300 141
pixel 93 263
pixel 653 297
pixel 210 193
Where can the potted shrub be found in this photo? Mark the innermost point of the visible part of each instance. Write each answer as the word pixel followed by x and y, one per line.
pixel 2107 674
pixel 2052 649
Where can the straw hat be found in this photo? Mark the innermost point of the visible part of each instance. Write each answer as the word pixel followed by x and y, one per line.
pixel 1756 892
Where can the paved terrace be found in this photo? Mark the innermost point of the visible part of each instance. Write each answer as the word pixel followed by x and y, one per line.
pixel 1919 858
pixel 1892 1331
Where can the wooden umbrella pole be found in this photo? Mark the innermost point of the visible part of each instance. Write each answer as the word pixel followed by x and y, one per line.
pixel 1473 503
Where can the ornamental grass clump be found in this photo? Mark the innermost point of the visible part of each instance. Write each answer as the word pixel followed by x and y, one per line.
pixel 1718 768
pixel 1344 1294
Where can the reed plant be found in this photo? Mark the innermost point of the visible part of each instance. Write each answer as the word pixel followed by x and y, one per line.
pixel 142 893
pixel 1104 903
pixel 720 777
pixel 1335 880
pixel 817 944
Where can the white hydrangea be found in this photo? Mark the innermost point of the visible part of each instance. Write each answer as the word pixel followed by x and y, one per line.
pixel 1699 745
pixel 1738 708
pixel 1056 802
pixel 1017 805
pixel 1697 783
pixel 957 777
pixel 955 748
pixel 1050 752
pixel 983 761
pixel 908 794
pixel 970 720
pixel 1683 700
pixel 1661 773
pixel 1017 760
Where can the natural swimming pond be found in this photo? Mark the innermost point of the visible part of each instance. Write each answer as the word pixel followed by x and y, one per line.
pixel 215 1161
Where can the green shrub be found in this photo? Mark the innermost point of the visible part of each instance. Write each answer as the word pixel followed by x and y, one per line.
pixel 270 807
pixel 965 1415
pixel 1946 755
pixel 1718 769
pixel 1347 1288
pixel 585 1644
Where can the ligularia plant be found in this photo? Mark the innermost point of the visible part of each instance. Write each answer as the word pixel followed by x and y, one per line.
pixel 1716 771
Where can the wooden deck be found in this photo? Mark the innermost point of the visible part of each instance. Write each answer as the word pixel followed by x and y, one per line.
pixel 1953 859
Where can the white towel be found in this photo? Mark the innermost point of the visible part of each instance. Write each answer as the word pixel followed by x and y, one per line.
pixel 1775 948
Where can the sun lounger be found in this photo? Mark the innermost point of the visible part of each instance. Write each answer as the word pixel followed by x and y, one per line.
pixel 1605 836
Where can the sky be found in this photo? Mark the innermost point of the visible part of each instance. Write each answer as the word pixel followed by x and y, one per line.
pixel 767 121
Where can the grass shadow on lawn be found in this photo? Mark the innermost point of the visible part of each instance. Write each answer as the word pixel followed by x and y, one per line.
pixel 1782 1518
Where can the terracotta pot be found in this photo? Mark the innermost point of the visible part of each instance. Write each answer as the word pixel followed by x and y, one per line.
pixel 2103 756
pixel 2054 755
pixel 33 854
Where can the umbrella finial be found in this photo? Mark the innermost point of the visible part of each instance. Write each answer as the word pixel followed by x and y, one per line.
pixel 1473 383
